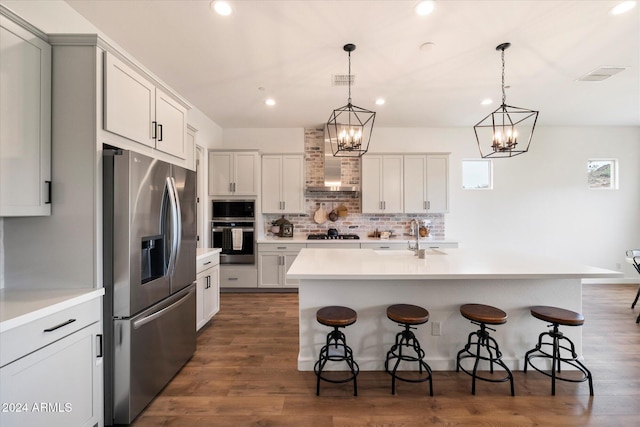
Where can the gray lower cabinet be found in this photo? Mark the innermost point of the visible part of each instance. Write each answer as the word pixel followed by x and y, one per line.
pixel 274 260
pixel 238 276
pixel 61 382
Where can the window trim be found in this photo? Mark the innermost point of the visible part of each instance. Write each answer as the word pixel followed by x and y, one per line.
pixel 489 162
pixel 614 173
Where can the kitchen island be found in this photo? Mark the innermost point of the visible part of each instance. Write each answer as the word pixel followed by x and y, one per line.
pixel 368 281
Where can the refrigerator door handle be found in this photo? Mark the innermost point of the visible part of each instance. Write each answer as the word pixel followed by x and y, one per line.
pixel 178 222
pixel 151 317
pixel 175 223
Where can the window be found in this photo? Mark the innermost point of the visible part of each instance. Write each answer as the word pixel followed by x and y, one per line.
pixel 602 173
pixel 477 175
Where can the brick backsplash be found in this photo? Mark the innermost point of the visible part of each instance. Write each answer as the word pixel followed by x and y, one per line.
pixel 355 222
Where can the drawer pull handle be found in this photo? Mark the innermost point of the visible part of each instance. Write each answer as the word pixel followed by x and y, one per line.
pixel 53 328
pixel 207 263
pixel 233 278
pixel 99 346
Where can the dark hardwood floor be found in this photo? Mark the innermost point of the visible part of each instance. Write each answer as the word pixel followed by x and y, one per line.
pixel 244 374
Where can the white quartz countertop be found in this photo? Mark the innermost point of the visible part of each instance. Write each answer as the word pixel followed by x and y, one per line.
pixel 203 252
pixel 18 307
pixel 368 264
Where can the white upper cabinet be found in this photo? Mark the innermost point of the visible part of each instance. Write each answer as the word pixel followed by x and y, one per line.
pixel 283 183
pixel 426 183
pixel 25 122
pixel 136 109
pixel 382 183
pixel 438 183
pixel 233 173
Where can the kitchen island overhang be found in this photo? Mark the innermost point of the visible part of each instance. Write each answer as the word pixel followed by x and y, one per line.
pixel 368 281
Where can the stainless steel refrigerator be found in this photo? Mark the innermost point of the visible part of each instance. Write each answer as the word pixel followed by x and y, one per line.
pixel 149 274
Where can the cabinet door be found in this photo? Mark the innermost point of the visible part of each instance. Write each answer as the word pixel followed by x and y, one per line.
pixel 415 184
pixel 272 184
pixel 220 170
pixel 212 293
pixel 392 188
pixel 171 133
pixel 372 184
pixel 288 260
pixel 25 122
pixel 438 183
pixel 58 385
pixel 293 183
pixel 269 270
pixel 245 174
pixel 129 102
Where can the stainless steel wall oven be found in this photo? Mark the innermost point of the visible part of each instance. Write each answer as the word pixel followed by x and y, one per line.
pixel 233 230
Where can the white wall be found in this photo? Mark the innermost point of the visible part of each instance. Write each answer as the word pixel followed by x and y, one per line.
pixel 540 203
pixel 287 140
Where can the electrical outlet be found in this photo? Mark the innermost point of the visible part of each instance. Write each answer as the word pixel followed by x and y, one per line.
pixel 618 266
pixel 435 329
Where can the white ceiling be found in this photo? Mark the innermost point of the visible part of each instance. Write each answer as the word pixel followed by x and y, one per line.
pixel 291 49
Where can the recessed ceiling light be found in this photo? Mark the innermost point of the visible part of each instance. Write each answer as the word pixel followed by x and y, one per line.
pixel 221 7
pixel 270 102
pixel 425 7
pixel 623 7
pixel 380 101
pixel 487 101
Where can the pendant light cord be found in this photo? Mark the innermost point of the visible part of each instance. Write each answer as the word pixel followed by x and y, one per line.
pixel 349 77
pixel 504 96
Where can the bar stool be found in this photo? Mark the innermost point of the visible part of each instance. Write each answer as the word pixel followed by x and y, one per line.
pixel 336 348
pixel 407 315
pixel 557 316
pixel 483 315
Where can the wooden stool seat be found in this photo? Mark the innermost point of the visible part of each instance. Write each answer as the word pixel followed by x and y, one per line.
pixel 557 315
pixel 407 314
pixel 483 314
pixel 336 316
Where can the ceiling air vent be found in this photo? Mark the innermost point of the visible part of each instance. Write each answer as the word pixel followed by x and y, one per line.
pixel 343 79
pixel 600 74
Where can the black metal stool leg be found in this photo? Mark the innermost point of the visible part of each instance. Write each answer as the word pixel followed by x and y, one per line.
pixel 556 344
pixel 406 338
pixel 483 341
pixel 337 340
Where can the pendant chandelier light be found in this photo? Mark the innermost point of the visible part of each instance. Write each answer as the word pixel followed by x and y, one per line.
pixel 350 127
pixel 508 130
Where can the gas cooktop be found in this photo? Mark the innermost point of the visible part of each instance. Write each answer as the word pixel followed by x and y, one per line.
pixel 338 237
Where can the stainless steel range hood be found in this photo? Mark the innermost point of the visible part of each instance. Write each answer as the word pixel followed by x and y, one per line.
pixel 332 175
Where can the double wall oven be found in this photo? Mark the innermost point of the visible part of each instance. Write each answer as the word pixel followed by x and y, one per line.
pixel 233 230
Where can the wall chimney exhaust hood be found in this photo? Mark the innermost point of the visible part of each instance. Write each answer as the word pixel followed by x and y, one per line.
pixel 332 175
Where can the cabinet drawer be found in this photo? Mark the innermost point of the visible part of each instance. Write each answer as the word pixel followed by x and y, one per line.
pixel 384 246
pixel 281 247
pixel 22 340
pixel 437 245
pixel 231 277
pixel 208 261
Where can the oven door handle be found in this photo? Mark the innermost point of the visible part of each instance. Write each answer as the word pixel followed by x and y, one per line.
pixel 219 229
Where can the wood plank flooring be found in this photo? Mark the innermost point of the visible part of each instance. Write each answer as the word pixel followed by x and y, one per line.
pixel 244 373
